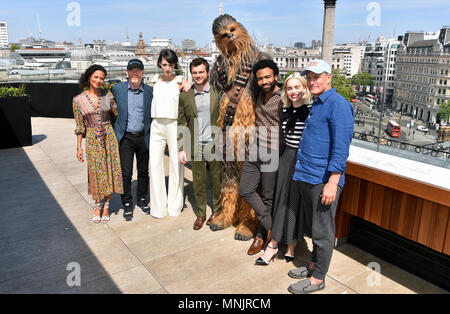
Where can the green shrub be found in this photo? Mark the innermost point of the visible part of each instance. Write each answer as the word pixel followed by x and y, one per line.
pixel 9 91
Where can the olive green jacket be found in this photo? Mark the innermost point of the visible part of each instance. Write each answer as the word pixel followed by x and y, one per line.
pixel 187 115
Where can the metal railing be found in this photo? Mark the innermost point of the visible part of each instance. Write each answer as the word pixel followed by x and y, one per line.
pixel 433 149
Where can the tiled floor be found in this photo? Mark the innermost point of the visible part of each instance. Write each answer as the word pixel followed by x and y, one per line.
pixel 47 239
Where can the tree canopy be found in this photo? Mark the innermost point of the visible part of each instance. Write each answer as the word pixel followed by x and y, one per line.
pixel 14 47
pixel 362 79
pixel 444 110
pixel 343 85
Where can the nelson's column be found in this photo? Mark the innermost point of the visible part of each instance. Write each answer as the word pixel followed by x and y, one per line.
pixel 328 31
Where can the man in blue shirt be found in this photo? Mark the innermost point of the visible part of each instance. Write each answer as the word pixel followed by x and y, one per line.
pixel 321 163
pixel 132 129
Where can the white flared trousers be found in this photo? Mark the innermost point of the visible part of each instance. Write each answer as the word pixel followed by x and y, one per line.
pixel 162 132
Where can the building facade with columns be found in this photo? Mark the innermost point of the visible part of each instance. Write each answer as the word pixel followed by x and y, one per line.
pixel 422 80
pixel 295 60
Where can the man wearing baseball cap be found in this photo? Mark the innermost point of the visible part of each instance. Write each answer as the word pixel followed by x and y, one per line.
pixel 320 167
pixel 132 129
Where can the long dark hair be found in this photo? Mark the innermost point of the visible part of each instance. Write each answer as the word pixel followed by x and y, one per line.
pixel 84 78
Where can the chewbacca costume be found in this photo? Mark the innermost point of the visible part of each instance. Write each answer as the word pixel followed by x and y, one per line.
pixel 232 75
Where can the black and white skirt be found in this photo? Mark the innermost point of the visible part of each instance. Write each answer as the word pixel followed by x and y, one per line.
pixel 288 216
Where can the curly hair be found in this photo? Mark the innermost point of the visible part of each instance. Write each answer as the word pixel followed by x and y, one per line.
pixel 266 63
pixel 84 78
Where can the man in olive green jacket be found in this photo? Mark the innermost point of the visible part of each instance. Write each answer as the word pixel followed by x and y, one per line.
pixel 198 110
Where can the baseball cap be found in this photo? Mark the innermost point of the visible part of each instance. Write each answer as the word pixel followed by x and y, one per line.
pixel 317 66
pixel 135 63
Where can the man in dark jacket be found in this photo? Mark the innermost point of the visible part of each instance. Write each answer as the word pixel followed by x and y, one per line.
pixel 132 129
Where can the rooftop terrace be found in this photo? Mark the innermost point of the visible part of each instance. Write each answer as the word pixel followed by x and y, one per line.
pixel 46 225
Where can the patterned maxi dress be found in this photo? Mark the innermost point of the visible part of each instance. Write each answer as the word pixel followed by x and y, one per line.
pixel 93 121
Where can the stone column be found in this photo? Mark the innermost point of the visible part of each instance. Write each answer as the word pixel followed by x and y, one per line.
pixel 328 31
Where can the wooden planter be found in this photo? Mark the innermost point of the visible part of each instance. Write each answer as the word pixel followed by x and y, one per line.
pixel 15 122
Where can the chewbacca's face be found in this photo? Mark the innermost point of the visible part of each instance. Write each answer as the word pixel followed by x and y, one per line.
pixel 231 37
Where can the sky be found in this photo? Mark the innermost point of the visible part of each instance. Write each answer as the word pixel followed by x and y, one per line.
pixel 280 22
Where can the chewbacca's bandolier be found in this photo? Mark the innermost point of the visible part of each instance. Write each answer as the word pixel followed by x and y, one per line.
pixel 233 91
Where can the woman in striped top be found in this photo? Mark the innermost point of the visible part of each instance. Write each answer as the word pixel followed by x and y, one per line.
pixel 287 225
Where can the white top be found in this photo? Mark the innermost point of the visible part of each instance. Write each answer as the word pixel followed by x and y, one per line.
pixel 165 99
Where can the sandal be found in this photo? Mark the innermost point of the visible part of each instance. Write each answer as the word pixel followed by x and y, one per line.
pixel 262 262
pixel 97 207
pixel 106 218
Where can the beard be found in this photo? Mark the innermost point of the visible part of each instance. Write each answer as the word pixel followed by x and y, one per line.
pixel 269 89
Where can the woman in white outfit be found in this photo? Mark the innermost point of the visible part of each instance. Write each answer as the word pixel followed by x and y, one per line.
pixel 164 112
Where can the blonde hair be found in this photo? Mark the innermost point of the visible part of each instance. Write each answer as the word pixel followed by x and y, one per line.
pixel 306 96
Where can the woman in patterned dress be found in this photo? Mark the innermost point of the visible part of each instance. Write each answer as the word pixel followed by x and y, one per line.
pixel 92 110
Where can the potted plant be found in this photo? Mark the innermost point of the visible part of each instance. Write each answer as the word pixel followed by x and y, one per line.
pixel 15 119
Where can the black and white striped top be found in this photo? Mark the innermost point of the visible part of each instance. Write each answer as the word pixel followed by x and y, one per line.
pixel 293 123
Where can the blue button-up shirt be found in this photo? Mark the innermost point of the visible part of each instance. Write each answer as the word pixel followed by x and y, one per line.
pixel 135 121
pixel 326 139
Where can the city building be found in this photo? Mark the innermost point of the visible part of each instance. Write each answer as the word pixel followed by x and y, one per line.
pixel 188 44
pixel 141 47
pixel 31 42
pixel 380 62
pixel 316 44
pixel 100 46
pixel 352 55
pixel 9 59
pixel 295 60
pixel 3 75
pixel 160 43
pixel 300 45
pixel 4 41
pixel 82 58
pixel 422 79
pixel 43 56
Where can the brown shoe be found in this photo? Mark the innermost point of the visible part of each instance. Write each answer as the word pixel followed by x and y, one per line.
pixel 198 224
pixel 209 221
pixel 256 246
